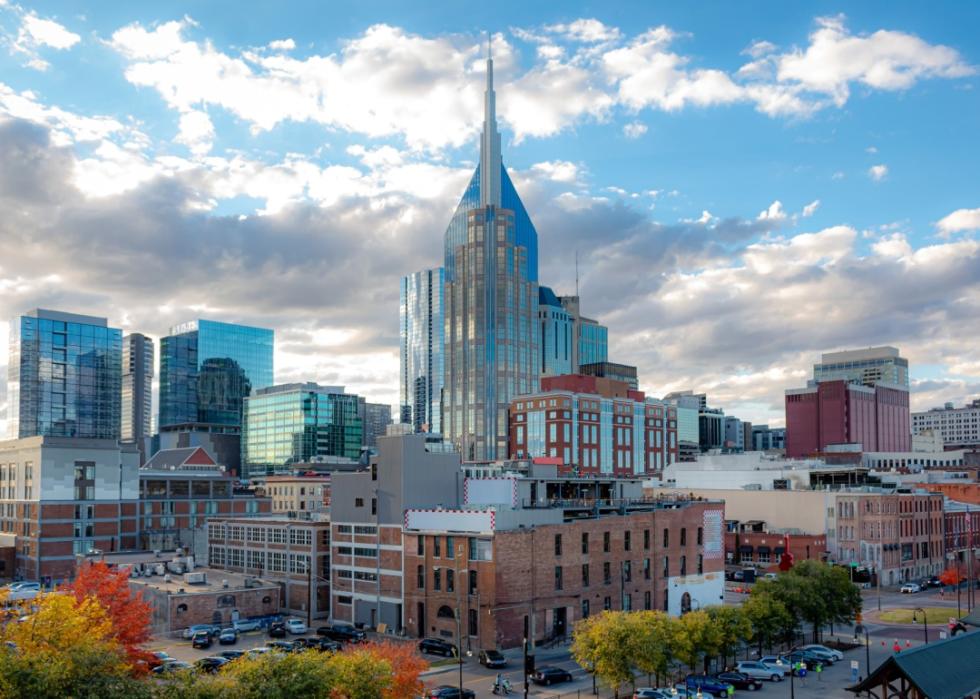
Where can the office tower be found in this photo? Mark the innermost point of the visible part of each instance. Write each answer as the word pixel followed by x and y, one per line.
pixel 867 367
pixel 137 394
pixel 559 353
pixel 377 417
pixel 208 368
pixel 64 377
pixel 293 423
pixel 421 324
pixel 611 370
pixel 958 428
pixel 491 302
pixel 592 338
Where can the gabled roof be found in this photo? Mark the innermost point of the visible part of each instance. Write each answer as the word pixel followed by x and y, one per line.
pixel 947 668
pixel 973 618
pixel 175 458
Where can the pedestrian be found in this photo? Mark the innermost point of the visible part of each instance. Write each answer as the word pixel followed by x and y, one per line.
pixel 803 673
pixel 818 668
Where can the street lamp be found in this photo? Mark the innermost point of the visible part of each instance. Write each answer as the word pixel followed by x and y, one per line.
pixel 792 686
pixel 925 622
pixel 867 648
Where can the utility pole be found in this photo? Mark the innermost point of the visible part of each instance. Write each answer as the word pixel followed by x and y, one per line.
pixel 459 626
pixel 309 589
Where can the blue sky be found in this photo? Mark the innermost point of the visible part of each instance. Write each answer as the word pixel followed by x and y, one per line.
pixel 747 186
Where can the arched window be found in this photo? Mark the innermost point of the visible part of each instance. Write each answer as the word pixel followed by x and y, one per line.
pixel 181 608
pixel 685 603
pixel 445 612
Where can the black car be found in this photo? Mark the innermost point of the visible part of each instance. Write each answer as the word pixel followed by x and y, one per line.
pixel 739 680
pixel 304 642
pixel 228 637
pixel 437 646
pixel 202 639
pixel 211 664
pixel 345 633
pixel 326 645
pixel 492 659
pixel 277 629
pixel 934 581
pixel 447 691
pixel 284 646
pixel 549 675
pixel 232 654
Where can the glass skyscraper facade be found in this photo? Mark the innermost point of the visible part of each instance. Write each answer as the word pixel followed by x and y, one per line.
pixel 293 423
pixel 557 334
pixel 868 367
pixel 137 393
pixel 64 377
pixel 593 342
pixel 491 300
pixel 208 368
pixel 421 326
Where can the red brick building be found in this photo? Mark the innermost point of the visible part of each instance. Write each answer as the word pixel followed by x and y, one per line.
pixel 751 544
pixel 838 412
pixel 962 537
pixel 594 425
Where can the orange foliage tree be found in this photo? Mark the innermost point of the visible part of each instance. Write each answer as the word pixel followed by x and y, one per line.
pixel 950 576
pixel 406 666
pixel 129 613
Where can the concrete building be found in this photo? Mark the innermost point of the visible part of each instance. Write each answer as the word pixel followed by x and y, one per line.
pixel 957 427
pixel 559 346
pixel 137 392
pixel 611 370
pixel 421 331
pixel 367 510
pixel 554 551
pixel 758 471
pixel 711 429
pixel 65 497
pixel 734 435
pixel 375 419
pixel 913 461
pixel 305 496
pixel 766 438
pixel 866 367
pixel 594 425
pixel 292 554
pixel 837 412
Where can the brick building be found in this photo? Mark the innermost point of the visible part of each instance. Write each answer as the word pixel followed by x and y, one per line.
pixel 67 496
pixel 595 425
pixel 555 560
pixel 292 554
pixel 962 537
pixel 838 412
pixel 751 543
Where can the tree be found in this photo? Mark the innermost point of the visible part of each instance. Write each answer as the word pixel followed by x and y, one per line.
pixel 605 644
pixel 695 638
pixel 950 576
pixel 407 667
pixel 768 616
pixel 651 640
pixel 733 627
pixel 129 613
pixel 360 673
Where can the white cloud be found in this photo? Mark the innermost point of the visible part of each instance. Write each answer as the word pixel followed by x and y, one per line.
pixel 585 30
pixel 758 49
pixel 811 208
pixel 282 45
pixel 878 172
pixel 36 33
pixel 837 175
pixel 895 245
pixel 557 170
pixel 871 149
pixel 634 129
pixel 959 221
pixel 66 127
pixel 775 212
pixel 196 132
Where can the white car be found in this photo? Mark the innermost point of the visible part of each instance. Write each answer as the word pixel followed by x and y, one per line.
pixel 911 588
pixel 758 670
pixel 296 626
pixel 836 654
pixel 23 590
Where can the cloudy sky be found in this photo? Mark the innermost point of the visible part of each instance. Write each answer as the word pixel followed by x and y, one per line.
pixel 744 191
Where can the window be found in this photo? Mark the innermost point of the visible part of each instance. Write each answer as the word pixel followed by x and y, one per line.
pixel 421 577
pixel 666 566
pixel 627 602
pixel 450 580
pixel 450 549
pixel 646 538
pixel 606 573
pixel 700 536
pixel 585 609
pixel 472 622
pixel 585 542
pixel 481 550
pixel 605 542
pixel 421 545
pixel 436 544
pixel 646 568
pixel 473 582
pixel 683 565
pixel 374 506
pixel 557 544
pixel 683 536
pixel 626 541
pixel 358 502
pixel 607 603
pixel 585 575
pixel 666 538
pixel 558 578
pixel 646 600
pixel 627 571
pixel 436 579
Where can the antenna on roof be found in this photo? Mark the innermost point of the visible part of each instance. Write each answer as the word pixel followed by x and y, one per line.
pixel 489 45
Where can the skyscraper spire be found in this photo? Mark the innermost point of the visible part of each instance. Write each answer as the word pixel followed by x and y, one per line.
pixel 490 163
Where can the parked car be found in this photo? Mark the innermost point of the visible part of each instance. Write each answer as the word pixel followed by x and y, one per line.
pixel 739 680
pixel 191 631
pixel 159 658
pixel 549 675
pixel 652 693
pixel 296 626
pixel 345 633
pixel 824 656
pixel 835 654
pixel 760 670
pixel 277 629
pixel 228 637
pixel 437 646
pixel 911 588
pixel 175 666
pixel 232 654
pixel 261 650
pixel 681 691
pixel 770 576
pixel 738 576
pixel 212 663
pixel 23 590
pixel 202 639
pixel 708 685
pixel 447 691
pixel 283 646
pixel 327 645
pixel 803 656
pixel 243 625
pixel 492 658
pixel 934 581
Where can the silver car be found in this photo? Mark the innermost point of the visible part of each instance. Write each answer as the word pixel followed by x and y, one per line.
pixel 757 669
pixel 836 655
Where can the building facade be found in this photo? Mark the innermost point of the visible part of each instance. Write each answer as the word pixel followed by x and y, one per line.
pixel 594 426
pixel 559 346
pixel 376 418
pixel 752 544
pixel 422 328
pixel 137 392
pixel 963 538
pixel 491 298
pixel 765 438
pixel 64 377
pixel 64 497
pixel 294 423
pixel 867 367
pixel 734 434
pixel 303 496
pixel 610 370
pixel 591 343
pixel 208 368
pixel 959 428
pixel 838 412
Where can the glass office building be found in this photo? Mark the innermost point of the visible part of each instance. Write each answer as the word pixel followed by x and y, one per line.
pixel 293 423
pixel 208 368
pixel 593 342
pixel 421 330
pixel 868 367
pixel 65 375
pixel 557 335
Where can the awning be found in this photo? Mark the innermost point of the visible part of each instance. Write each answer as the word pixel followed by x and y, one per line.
pixel 763 549
pixel 779 550
pixel 744 548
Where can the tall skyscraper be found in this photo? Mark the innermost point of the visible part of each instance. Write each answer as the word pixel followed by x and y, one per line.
pixel 558 326
pixel 421 324
pixel 137 390
pixel 868 367
pixel 377 417
pixel 207 369
pixel 491 302
pixel 64 376
pixel 592 338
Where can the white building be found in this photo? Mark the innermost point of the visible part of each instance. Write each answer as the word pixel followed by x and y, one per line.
pixel 958 427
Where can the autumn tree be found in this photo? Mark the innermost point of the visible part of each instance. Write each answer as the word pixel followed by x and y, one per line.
pixel 696 638
pixel 407 667
pixel 733 627
pixel 604 643
pixel 128 613
pixel 652 644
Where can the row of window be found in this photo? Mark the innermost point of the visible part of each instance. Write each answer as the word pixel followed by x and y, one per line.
pixel 272 535
pixel 628 540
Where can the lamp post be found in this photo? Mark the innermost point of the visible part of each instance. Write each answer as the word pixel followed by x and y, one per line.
pixel 792 686
pixel 867 648
pixel 925 622
pixel 459 625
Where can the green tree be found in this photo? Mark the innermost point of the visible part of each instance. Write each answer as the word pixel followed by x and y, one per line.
pixel 733 627
pixel 768 616
pixel 605 644
pixel 650 637
pixel 695 638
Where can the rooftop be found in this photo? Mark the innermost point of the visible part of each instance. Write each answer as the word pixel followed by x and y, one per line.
pixel 215 581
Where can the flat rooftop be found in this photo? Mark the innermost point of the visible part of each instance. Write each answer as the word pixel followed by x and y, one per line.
pixel 215 582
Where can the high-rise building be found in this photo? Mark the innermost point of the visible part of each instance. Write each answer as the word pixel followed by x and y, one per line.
pixel 734 434
pixel 64 377
pixel 294 423
pixel 491 302
pixel 868 367
pixel 377 417
pixel 559 351
pixel 421 325
pixel 957 427
pixel 591 337
pixel 137 391
pixel 611 370
pixel 208 368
